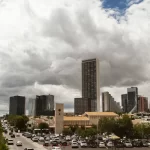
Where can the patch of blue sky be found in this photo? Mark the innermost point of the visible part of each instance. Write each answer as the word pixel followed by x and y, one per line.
pixel 119 6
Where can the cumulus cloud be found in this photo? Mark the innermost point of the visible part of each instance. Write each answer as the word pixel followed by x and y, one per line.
pixel 42 44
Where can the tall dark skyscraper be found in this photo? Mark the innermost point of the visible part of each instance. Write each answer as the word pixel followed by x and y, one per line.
pixel 124 102
pixel 44 105
pixel 82 105
pixel 132 99
pixel 17 105
pixel 90 100
pixel 90 82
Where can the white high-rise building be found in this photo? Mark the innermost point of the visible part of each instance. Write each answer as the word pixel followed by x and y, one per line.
pixel 109 104
pixel 31 107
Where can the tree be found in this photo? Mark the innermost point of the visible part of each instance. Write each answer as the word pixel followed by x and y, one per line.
pixel 106 125
pixel 124 126
pixel 67 131
pixel 141 130
pixel 73 128
pixel 43 125
pixel 20 123
pixel 3 145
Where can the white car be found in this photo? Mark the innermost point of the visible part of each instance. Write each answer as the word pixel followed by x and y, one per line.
pixel 56 148
pixel 102 145
pixel 68 138
pixel 19 143
pixel 128 144
pixel 41 139
pixel 10 142
pixel 35 139
pixel 74 140
pixel 148 144
pixel 74 145
pixel 110 144
pixel 83 144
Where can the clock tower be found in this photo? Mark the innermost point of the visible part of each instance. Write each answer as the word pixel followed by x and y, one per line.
pixel 59 118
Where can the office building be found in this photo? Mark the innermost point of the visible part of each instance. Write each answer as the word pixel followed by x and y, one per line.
pixel 17 105
pixel 81 105
pixel 124 103
pixel 109 104
pixel 142 104
pixel 90 83
pixel 132 97
pixel 44 105
pixel 106 101
pixel 31 107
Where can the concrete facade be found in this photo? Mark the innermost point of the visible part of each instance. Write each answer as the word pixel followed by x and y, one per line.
pixel 90 83
pixel 31 107
pixel 142 104
pixel 109 104
pixel 59 118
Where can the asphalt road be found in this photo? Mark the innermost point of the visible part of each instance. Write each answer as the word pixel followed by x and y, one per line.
pixel 26 143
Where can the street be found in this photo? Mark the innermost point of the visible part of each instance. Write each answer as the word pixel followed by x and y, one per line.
pixel 26 143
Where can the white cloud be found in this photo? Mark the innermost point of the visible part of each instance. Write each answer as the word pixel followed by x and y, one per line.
pixel 44 41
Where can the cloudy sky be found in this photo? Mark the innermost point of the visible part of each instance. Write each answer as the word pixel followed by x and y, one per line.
pixel 42 44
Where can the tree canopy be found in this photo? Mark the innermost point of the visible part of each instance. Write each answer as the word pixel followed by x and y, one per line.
pixel 43 125
pixel 18 122
pixel 2 140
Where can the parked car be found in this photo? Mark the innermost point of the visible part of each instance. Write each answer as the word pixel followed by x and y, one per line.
pixel 110 144
pixel 54 143
pixel 46 143
pixel 64 143
pixel 68 138
pixel 128 144
pixel 137 143
pixel 145 144
pixel 119 145
pixel 28 149
pixel 35 139
pixel 83 144
pixel 41 139
pixel 102 145
pixel 56 148
pixel 74 145
pixel 10 142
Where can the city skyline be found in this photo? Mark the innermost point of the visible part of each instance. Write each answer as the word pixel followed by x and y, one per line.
pixel 41 54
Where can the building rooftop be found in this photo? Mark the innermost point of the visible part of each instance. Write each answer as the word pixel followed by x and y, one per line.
pixel 100 114
pixel 76 118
